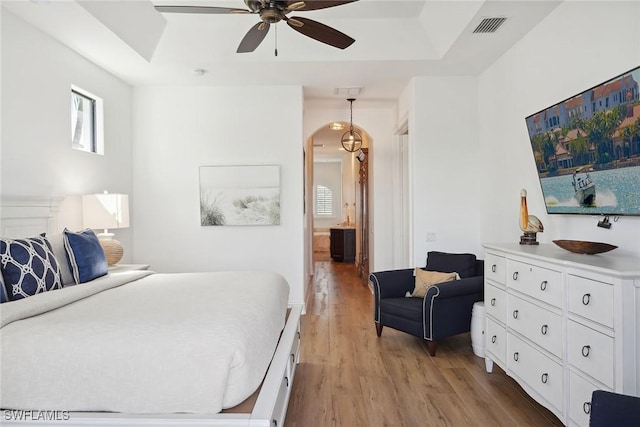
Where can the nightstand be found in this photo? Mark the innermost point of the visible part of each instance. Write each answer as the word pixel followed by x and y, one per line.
pixel 118 268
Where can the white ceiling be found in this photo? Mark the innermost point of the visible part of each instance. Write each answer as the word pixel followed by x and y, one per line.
pixel 395 40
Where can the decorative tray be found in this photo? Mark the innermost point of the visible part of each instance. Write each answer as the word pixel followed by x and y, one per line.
pixel 583 247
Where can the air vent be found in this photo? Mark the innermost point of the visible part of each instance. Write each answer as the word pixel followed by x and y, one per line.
pixel 490 25
pixel 351 91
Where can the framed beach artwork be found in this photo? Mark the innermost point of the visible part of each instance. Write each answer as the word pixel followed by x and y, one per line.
pixel 240 195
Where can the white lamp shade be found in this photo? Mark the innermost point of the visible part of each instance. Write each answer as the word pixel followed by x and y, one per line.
pixel 105 211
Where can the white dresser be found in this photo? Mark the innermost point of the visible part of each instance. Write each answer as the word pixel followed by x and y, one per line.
pixel 563 324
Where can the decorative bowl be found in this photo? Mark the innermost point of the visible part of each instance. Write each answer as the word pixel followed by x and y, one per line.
pixel 582 247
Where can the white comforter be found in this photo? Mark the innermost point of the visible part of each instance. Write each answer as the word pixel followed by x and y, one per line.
pixel 162 343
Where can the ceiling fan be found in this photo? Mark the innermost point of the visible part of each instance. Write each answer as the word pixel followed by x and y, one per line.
pixel 273 11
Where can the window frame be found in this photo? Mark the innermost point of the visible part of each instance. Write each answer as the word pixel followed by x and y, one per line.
pixel 324 213
pixel 96 126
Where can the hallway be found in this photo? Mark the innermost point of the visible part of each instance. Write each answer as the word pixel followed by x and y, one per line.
pixel 347 376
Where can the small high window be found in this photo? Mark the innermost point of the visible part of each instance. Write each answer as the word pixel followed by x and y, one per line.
pixel 86 121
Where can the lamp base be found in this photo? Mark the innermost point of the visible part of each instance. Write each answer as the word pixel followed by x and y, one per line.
pixel 113 249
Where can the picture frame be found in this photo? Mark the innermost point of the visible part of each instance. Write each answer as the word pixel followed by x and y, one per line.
pixel 240 195
pixel 586 149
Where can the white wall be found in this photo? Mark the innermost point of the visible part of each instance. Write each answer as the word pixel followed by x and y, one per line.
pixel 580 44
pixel 37 158
pixel 444 168
pixel 179 129
pixel 378 120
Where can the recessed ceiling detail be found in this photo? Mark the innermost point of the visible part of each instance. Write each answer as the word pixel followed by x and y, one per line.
pixel 490 25
pixel 420 38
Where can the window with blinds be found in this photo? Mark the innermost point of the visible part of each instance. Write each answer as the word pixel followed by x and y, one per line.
pixel 323 200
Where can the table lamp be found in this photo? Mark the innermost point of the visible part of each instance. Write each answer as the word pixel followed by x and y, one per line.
pixel 105 211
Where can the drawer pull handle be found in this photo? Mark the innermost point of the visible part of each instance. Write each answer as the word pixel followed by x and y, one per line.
pixel 586 299
pixel 493 268
pixel 543 286
pixel 493 339
pixel 287 380
pixel 516 356
pixel 293 358
pixel 585 350
pixel 515 275
pixel 586 407
pixel 544 329
pixel 544 378
pixel 515 314
pixel 493 302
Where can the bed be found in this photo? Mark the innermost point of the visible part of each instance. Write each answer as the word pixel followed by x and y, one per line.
pixel 143 348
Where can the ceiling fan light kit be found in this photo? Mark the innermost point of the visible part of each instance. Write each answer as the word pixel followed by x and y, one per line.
pixel 351 140
pixel 272 12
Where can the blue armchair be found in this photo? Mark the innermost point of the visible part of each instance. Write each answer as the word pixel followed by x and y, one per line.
pixel 446 308
pixel 613 409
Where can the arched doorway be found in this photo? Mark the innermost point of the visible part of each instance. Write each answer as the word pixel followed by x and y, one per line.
pixel 337 193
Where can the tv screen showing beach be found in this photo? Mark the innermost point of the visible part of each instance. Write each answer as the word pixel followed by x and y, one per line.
pixel 587 149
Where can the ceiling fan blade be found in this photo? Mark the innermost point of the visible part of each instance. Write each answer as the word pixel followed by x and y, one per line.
pixel 320 32
pixel 315 4
pixel 253 38
pixel 200 9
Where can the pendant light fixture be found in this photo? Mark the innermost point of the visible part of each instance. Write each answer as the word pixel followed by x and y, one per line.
pixel 351 140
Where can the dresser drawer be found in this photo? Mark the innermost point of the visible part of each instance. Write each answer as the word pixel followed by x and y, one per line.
pixel 540 372
pixel 591 352
pixel 494 268
pixel 580 399
pixel 538 282
pixel 537 324
pixel 495 302
pixel 496 340
pixel 591 299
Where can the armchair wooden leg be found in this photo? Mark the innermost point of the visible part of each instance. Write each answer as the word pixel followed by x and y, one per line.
pixel 432 346
pixel 378 329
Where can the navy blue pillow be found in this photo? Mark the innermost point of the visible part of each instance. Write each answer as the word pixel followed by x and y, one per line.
pixel 86 257
pixel 28 267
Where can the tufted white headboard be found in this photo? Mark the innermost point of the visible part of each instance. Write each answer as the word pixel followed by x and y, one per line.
pixel 28 216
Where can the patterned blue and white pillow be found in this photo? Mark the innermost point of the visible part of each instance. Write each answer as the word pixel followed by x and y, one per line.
pixel 28 267
pixel 85 254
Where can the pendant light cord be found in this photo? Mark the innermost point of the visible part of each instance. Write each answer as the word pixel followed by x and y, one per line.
pixel 276 49
pixel 351 115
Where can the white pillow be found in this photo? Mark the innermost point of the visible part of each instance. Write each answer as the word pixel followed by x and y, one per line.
pixel 57 243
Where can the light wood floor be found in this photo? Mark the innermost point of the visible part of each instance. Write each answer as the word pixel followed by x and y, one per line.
pixel 347 376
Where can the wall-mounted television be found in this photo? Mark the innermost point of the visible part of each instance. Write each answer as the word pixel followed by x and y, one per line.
pixel 587 149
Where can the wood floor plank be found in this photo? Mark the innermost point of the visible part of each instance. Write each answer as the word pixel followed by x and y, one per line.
pixel 311 400
pixel 348 376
